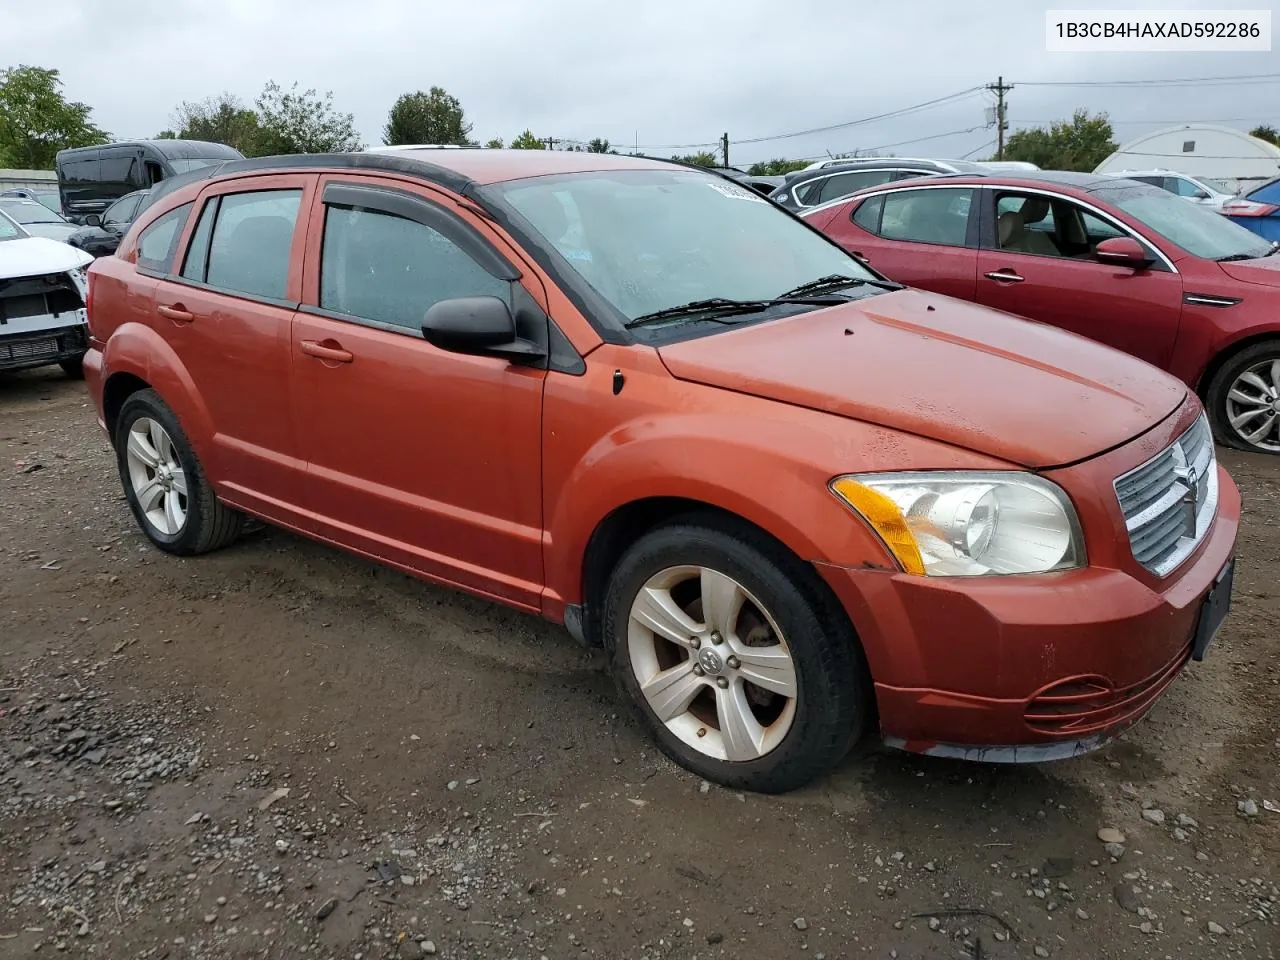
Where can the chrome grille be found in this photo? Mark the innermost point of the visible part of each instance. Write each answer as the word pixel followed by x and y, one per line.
pixel 1169 501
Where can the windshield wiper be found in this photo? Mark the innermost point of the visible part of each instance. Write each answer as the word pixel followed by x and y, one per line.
pixel 1238 256
pixel 1275 248
pixel 716 308
pixel 838 281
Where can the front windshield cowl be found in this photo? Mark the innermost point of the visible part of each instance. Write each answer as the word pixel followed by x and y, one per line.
pixel 652 238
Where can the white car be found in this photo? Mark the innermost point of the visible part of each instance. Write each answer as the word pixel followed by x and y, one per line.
pixel 1199 190
pixel 42 296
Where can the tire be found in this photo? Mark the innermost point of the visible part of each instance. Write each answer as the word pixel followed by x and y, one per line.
pixel 794 739
pixel 74 369
pixel 1262 362
pixel 205 522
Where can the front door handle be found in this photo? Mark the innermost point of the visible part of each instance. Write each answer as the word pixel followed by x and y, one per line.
pixel 328 350
pixel 1004 276
pixel 177 313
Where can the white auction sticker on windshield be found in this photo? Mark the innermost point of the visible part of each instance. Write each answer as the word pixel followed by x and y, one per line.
pixel 735 192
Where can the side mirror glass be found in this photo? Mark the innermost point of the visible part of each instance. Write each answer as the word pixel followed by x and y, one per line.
pixel 1123 252
pixel 477 325
pixel 93 220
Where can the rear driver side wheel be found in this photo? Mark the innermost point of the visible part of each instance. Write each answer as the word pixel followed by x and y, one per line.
pixel 164 483
pixel 742 672
pixel 1243 399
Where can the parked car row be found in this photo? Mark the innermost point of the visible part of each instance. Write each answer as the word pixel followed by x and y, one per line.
pixel 794 500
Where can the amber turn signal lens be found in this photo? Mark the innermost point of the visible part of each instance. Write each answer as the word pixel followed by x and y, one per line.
pixel 885 519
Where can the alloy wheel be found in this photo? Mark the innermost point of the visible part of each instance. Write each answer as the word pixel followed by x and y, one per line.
pixel 711 663
pixel 1253 405
pixel 156 474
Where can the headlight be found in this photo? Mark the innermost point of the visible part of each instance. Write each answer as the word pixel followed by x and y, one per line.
pixel 968 524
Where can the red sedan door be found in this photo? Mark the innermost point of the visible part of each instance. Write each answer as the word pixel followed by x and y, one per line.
pixel 924 236
pixel 1037 261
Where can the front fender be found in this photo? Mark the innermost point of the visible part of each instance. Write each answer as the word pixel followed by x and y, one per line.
pixel 136 349
pixel 754 468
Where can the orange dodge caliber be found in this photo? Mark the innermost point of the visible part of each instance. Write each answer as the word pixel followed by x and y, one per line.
pixel 793 501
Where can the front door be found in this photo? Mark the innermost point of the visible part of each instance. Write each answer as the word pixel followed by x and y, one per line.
pixel 423 458
pixel 1037 261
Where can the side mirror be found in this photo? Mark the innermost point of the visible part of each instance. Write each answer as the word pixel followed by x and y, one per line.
pixel 93 220
pixel 477 325
pixel 1200 195
pixel 1122 252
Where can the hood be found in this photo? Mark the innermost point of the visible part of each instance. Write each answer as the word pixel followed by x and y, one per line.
pixel 943 369
pixel 1264 270
pixel 54 231
pixel 32 256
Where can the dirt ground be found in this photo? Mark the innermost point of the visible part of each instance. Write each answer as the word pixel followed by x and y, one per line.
pixel 281 751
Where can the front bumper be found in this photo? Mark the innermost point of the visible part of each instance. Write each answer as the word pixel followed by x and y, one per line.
pixel 1014 669
pixel 38 348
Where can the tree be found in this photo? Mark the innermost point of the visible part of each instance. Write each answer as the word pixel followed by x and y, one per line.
pixel 494 143
pixel 1266 132
pixel 36 120
pixel 776 168
pixel 599 145
pixel 293 122
pixel 702 159
pixel 1079 144
pixel 527 141
pixel 220 119
pixel 433 117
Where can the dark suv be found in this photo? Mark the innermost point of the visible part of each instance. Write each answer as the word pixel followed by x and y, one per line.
pixel 811 188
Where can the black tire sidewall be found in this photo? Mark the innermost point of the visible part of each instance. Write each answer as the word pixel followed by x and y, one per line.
pixel 147 403
pixel 830 678
pixel 1216 395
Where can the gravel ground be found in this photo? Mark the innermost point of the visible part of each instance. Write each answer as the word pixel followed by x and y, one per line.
pixel 281 751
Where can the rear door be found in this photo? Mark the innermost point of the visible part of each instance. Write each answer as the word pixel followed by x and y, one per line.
pixel 1037 261
pixel 923 236
pixel 427 459
pixel 226 309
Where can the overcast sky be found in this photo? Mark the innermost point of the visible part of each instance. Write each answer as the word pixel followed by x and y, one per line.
pixel 657 73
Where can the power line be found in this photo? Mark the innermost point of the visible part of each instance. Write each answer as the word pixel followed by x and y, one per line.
pixel 986 146
pixel 1175 81
pixel 949 98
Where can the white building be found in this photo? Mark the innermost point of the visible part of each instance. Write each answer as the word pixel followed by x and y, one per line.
pixel 1199 150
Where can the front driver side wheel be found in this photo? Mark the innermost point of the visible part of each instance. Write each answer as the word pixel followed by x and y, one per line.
pixel 740 669
pixel 1244 399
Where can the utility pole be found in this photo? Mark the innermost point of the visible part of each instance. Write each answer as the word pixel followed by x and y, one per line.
pixel 724 147
pixel 1000 88
pixel 551 142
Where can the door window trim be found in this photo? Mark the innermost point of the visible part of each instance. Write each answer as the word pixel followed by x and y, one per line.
pixel 987 235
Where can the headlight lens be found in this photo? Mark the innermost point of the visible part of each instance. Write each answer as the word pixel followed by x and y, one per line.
pixel 968 524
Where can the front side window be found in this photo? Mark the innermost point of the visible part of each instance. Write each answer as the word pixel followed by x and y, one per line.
pixel 649 240
pixel 1184 187
pixel 156 245
pixel 251 242
pixel 928 216
pixel 382 267
pixel 122 211
pixel 1196 229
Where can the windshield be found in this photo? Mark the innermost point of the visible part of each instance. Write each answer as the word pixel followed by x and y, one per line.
pixel 648 240
pixel 1199 231
pixel 8 229
pixel 1217 186
pixel 29 211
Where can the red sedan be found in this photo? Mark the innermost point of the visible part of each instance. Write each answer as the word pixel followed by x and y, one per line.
pixel 1115 260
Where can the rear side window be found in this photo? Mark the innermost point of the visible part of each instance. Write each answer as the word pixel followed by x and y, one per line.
pixel 157 242
pixel 843 184
pixel 80 171
pixel 927 216
pixel 251 240
pixel 867 216
pixel 381 267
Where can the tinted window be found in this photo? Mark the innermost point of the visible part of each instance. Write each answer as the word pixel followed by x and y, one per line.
pixel 80 170
pixel 249 252
pixel 155 246
pixel 843 184
pixel 927 216
pixel 122 211
pixel 118 169
pixel 809 193
pixel 378 266
pixel 867 216
pixel 1154 181
pixel 193 267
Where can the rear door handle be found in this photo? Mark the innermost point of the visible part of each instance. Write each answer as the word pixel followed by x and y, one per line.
pixel 328 350
pixel 177 313
pixel 1004 276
